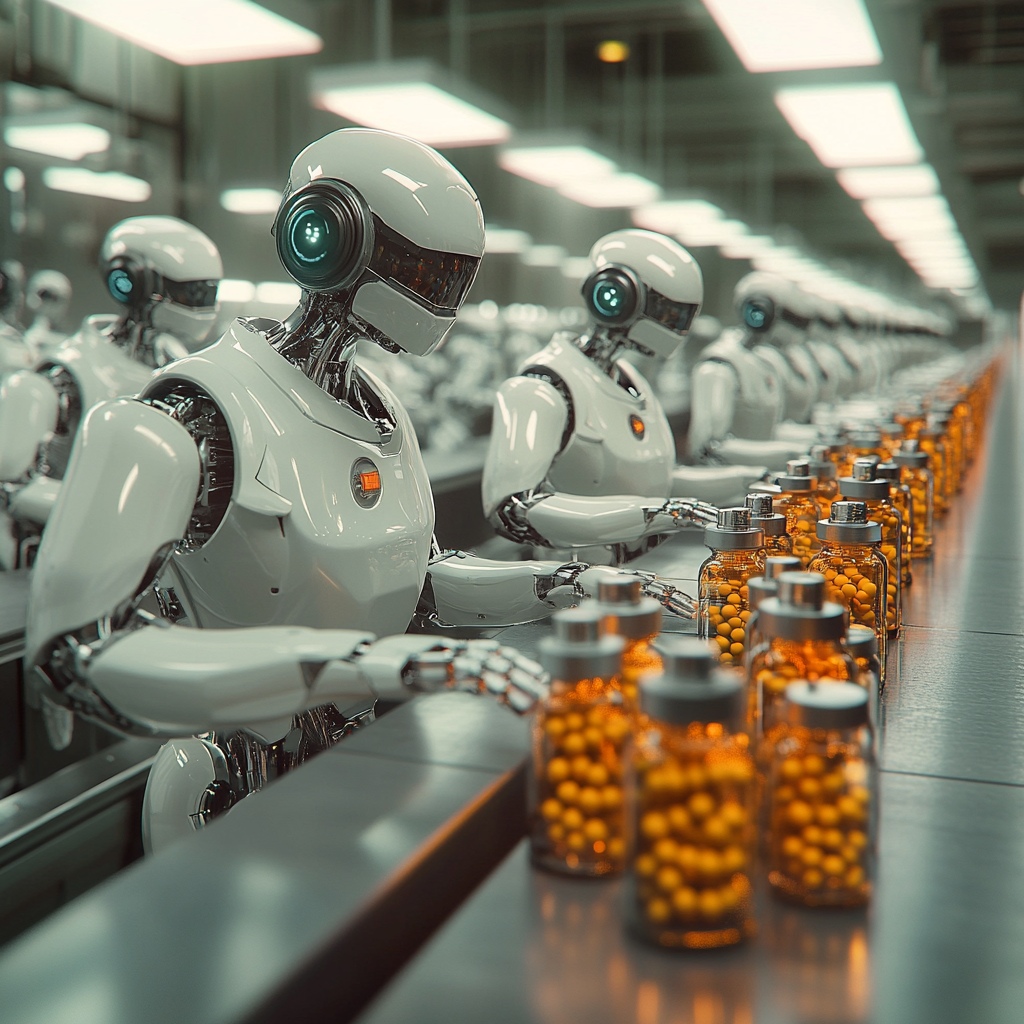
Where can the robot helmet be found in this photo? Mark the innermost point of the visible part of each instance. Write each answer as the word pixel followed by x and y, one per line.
pixel 766 300
pixel 165 272
pixel 48 295
pixel 389 222
pixel 646 285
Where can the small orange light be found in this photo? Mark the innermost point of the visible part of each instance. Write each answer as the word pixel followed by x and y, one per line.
pixel 370 482
pixel 637 426
pixel 613 51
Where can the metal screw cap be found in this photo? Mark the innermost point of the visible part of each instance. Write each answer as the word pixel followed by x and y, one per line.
pixel 861 642
pixel 798 467
pixel 776 565
pixel 888 471
pixel 736 518
pixel 848 522
pixel 685 659
pixel 734 531
pixel 848 512
pixel 760 505
pixel 620 589
pixel 759 588
pixel 691 687
pixel 579 648
pixel 802 590
pixel 863 469
pixel 578 625
pixel 826 705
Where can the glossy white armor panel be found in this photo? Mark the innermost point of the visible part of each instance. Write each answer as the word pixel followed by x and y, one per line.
pixel 182 771
pixel 201 679
pixel 605 454
pixel 15 354
pixel 100 369
pixel 567 521
pixel 530 417
pixel 36 500
pixel 28 412
pixel 129 489
pixel 797 391
pixel 300 547
pixel 662 264
pixel 404 321
pixel 804 385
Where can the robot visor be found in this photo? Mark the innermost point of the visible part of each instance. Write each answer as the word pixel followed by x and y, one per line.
pixel 438 280
pixel 676 316
pixel 197 294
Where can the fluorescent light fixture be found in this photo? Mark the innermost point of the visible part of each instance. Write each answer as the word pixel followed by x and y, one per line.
pixel 576 268
pixel 104 185
pixel 544 256
pixel 885 182
pixel 231 290
pixel 554 166
pixel 717 232
pixel 14 179
pixel 65 141
pixel 746 247
pixel 250 200
pixel 795 35
pixel 417 109
pixel 198 31
pixel 506 240
pixel 920 217
pixel 614 190
pixel 673 216
pixel 278 293
pixel 864 125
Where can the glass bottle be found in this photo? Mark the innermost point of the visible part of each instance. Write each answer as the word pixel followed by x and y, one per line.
pixel 800 507
pixel 930 442
pixel 944 425
pixel 823 469
pixel 861 443
pixel 875 494
pixel 910 416
pixel 692 805
pixel 763 517
pixel 855 570
pixel 803 636
pixel 821 797
pixel 737 554
pixel 903 499
pixel 861 645
pixel 637 619
pixel 579 731
pixel 918 478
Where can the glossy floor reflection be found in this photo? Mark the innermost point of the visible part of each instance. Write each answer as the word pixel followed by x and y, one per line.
pixel 941 943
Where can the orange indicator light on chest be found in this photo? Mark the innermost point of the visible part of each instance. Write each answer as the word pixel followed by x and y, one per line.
pixel 370 482
pixel 637 426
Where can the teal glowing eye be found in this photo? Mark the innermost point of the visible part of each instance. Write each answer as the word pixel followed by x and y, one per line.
pixel 609 297
pixel 754 316
pixel 120 285
pixel 311 237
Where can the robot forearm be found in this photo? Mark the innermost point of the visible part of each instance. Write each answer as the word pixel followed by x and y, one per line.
pixel 28 412
pixel 773 454
pixel 716 484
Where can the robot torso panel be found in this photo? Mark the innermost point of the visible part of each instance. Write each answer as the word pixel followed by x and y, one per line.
pixel 759 403
pixel 324 519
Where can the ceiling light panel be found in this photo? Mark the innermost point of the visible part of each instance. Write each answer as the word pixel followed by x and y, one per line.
pixel 795 35
pixel 105 185
pixel 864 125
pixel 250 200
pixel 612 191
pixel 889 182
pixel 198 31
pixel 417 109
pixel 675 215
pixel 64 141
pixel 555 166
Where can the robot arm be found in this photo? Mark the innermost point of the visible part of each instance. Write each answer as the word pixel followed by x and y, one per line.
pixel 712 403
pixel 28 412
pixel 464 590
pixel 529 424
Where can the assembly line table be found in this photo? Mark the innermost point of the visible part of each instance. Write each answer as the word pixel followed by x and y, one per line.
pixel 944 937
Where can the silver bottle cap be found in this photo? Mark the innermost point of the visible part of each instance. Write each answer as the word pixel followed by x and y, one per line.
pixel 776 565
pixel 848 524
pixel 626 611
pixel 861 642
pixel 888 471
pixel 826 705
pixel 760 505
pixel 910 454
pixel 691 687
pixel 733 531
pixel 798 476
pixel 579 648
pixel 864 489
pixel 800 611
pixel 759 588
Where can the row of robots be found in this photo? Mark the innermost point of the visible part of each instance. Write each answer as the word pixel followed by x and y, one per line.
pixel 231 544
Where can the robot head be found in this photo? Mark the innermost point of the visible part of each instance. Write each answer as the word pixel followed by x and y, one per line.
pixel 165 272
pixel 388 226
pixel 48 295
pixel 772 307
pixel 645 287
pixel 12 290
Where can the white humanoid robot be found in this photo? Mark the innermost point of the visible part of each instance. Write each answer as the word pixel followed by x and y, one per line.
pixel 839 378
pixel 745 385
pixel 226 547
pixel 47 298
pixel 164 273
pixel 581 457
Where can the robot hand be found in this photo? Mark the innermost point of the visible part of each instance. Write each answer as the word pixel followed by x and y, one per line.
pixel 674 600
pixel 679 513
pixel 479 666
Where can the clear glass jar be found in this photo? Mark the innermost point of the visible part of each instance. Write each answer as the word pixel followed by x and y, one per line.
pixel 803 635
pixel 892 435
pixel 637 619
pixel 855 570
pixel 910 416
pixel 797 502
pixel 944 425
pixel 576 805
pixel 763 517
pixel 862 486
pixel 916 475
pixel 930 442
pixel 823 469
pixel 822 791
pixel 737 554
pixel 692 799
pixel 901 496
pixel 860 444
pixel 861 645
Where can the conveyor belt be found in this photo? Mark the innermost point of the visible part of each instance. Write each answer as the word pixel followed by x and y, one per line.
pixel 942 943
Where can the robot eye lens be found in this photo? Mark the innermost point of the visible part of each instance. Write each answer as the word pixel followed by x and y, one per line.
pixel 610 298
pixel 312 238
pixel 120 284
pixel 755 315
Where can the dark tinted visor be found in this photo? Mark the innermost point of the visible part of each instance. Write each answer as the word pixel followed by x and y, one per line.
pixel 676 316
pixel 441 279
pixel 795 319
pixel 198 294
